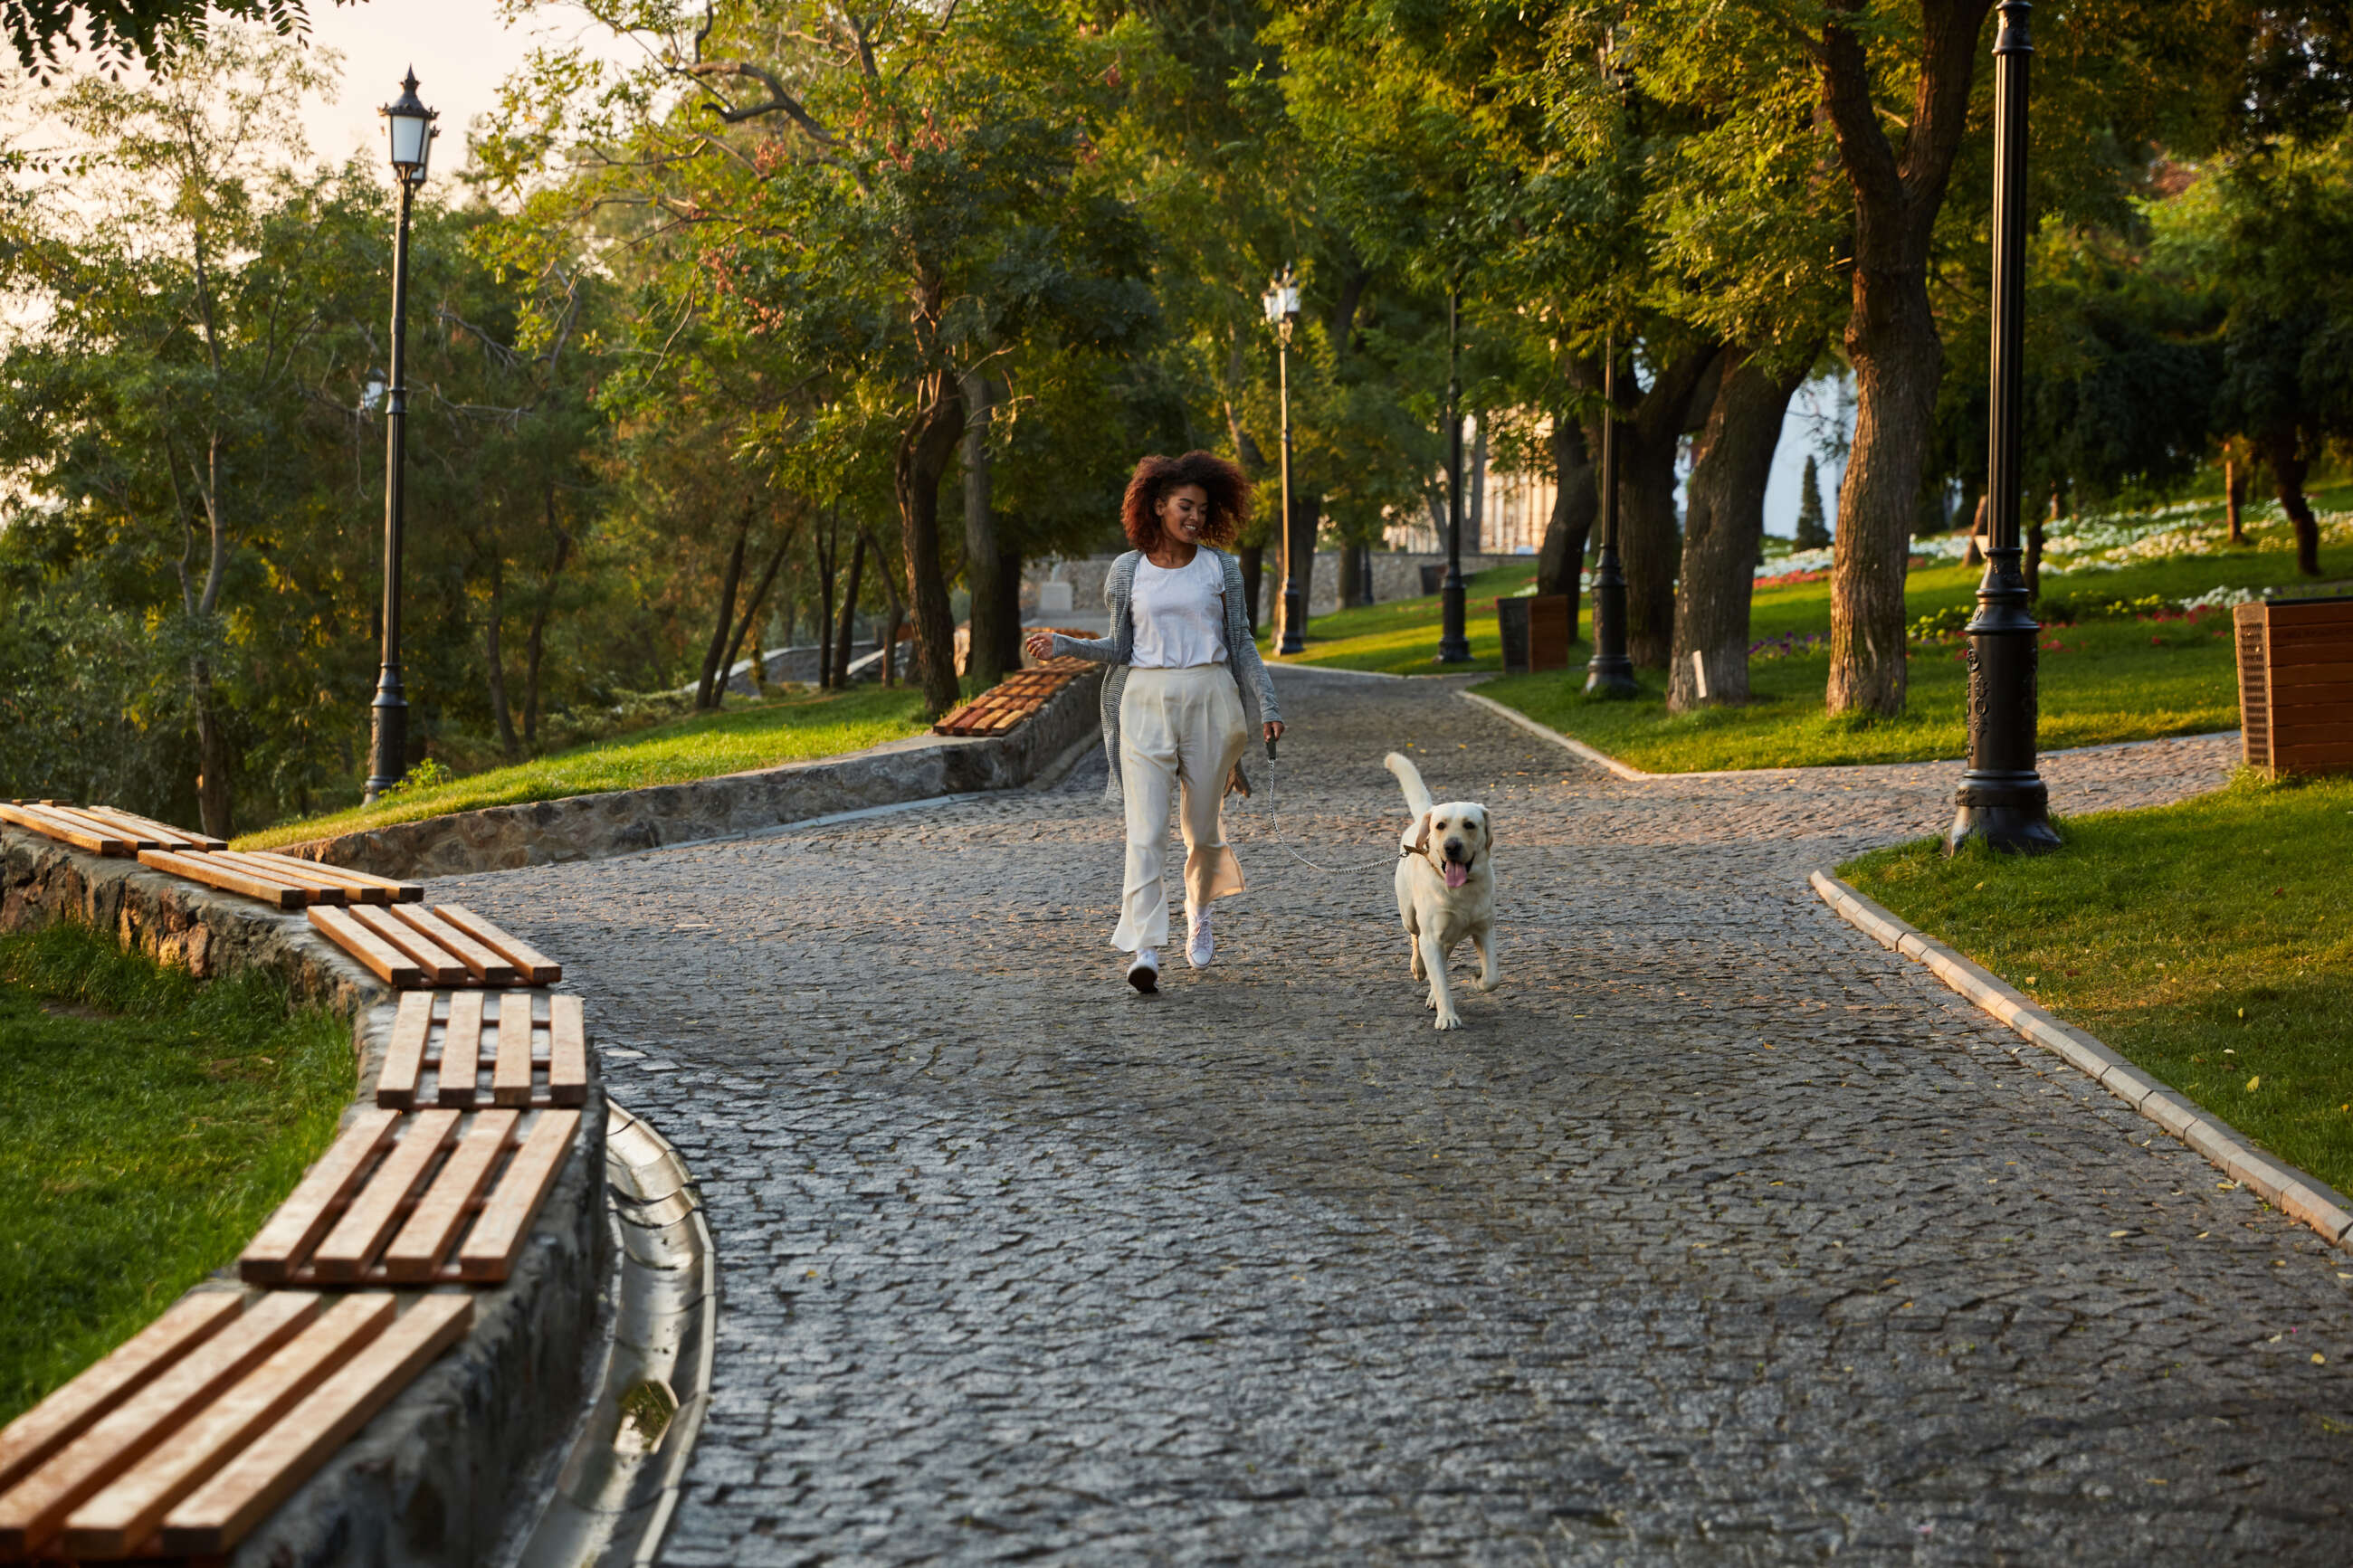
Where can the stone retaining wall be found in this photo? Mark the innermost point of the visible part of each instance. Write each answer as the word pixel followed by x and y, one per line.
pixel 1397 575
pixel 435 1477
pixel 628 822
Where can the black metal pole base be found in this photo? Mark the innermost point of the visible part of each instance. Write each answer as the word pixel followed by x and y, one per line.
pixel 1610 673
pixel 388 741
pixel 1454 603
pixel 1294 620
pixel 2019 824
pixel 2002 799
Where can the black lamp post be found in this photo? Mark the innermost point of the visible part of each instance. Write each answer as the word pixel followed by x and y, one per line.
pixel 1282 302
pixel 1610 673
pixel 2002 799
pixel 1453 640
pixel 408 128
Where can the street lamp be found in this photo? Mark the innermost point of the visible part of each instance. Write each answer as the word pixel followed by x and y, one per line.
pixel 409 133
pixel 1282 302
pixel 2002 799
pixel 1453 639
pixel 1610 673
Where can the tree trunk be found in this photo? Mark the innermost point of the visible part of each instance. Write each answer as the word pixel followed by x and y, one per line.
pixel 535 645
pixel 894 613
pixel 924 451
pixel 1648 438
pixel 706 690
pixel 1474 507
pixel 1724 522
pixel 828 552
pixel 495 658
pixel 2234 494
pixel 1352 577
pixel 214 794
pixel 1576 500
pixel 982 561
pixel 756 607
pixel 2289 465
pixel 1009 598
pixel 1975 554
pixel 843 642
pixel 1891 331
pixel 1253 564
pixel 2030 567
pixel 1306 518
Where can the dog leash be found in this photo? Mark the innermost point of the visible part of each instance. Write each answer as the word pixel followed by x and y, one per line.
pixel 1274 822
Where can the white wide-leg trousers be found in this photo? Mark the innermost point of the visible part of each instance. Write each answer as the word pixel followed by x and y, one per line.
pixel 1180 732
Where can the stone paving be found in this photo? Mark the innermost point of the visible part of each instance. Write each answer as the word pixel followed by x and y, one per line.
pixel 1719 1235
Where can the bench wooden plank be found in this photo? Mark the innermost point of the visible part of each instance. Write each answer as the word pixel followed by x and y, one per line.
pixel 90 822
pixel 490 1248
pixel 388 962
pixel 167 836
pixel 199 868
pixel 219 1513
pixel 534 967
pixel 68 1413
pixel 567 1052
pixel 315 890
pixel 124 1514
pixel 404 1056
pixel 461 1051
pixel 487 968
pixel 416 1253
pixel 440 967
pixel 288 1236
pixel 368 1223
pixel 35 1508
pixel 51 825
pixel 348 889
pixel 511 1070
pixel 393 891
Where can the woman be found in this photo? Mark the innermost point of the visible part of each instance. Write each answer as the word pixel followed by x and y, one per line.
pixel 1187 687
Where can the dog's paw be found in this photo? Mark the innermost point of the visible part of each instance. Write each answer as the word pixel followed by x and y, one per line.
pixel 1483 984
pixel 1450 1019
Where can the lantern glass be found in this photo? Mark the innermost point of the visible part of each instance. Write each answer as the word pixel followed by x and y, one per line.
pixel 408 132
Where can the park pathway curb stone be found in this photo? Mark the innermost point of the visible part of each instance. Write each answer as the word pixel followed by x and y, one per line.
pixel 2298 1194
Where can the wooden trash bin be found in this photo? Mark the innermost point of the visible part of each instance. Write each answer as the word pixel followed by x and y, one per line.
pixel 2295 685
pixel 1512 626
pixel 1535 632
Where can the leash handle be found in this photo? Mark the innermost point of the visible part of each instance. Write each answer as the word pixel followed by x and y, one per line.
pixel 1270 747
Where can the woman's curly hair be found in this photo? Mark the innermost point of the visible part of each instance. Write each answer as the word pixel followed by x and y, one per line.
pixel 1229 492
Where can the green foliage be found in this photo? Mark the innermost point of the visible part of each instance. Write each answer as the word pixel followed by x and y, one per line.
pixel 148 1125
pixel 1813 532
pixel 2207 942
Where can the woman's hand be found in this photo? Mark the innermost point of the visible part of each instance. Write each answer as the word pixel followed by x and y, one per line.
pixel 1273 729
pixel 1039 644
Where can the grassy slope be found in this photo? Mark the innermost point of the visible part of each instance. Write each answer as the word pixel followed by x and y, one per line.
pixel 742 737
pixel 2209 942
pixel 2104 681
pixel 144 1145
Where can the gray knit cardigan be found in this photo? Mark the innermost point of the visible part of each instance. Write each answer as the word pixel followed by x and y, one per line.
pixel 1118 650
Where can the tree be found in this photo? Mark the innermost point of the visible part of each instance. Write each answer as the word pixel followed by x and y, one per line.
pixel 1813 532
pixel 116 34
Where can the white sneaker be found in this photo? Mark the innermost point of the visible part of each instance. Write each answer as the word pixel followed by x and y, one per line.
pixel 1202 946
pixel 1143 970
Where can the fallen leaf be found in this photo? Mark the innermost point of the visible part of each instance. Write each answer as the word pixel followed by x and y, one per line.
pixel 2254 1083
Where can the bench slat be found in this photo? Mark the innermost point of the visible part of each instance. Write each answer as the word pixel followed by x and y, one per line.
pixel 167 837
pixel 315 889
pixel 393 891
pixel 487 968
pixel 50 825
pixel 536 967
pixel 404 1056
pixel 511 1070
pixel 376 1209
pixel 388 962
pixel 122 1516
pixel 90 822
pixel 35 1508
pixel 567 1052
pixel 314 873
pixel 289 1234
pixel 440 967
pixel 227 879
pixel 461 1051
pixel 416 1253
pixel 68 1413
pixel 489 1250
pixel 218 1514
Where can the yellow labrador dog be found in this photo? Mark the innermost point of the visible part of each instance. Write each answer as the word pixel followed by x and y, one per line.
pixel 1445 886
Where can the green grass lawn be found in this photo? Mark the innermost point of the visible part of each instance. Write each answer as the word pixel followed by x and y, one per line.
pixel 745 736
pixel 2210 943
pixel 1400 637
pixel 148 1125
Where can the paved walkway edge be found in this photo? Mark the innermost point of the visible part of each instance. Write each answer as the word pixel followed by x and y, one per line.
pixel 2297 1193
pixel 1599 759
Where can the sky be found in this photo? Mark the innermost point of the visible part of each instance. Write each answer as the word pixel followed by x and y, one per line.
pixel 1821 415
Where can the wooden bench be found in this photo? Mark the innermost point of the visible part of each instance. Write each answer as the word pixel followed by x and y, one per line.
pixel 415 1197
pixel 101 829
pixel 2295 685
pixel 1018 696
pixel 411 945
pixel 184 1438
pixel 535 1045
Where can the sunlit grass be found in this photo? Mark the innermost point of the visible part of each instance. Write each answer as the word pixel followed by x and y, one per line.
pixel 1400 637
pixel 148 1125
pixel 736 740
pixel 2209 942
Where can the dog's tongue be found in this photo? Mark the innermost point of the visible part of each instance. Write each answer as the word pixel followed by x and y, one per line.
pixel 1456 875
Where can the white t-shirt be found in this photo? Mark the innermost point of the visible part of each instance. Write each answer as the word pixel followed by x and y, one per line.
pixel 1178 614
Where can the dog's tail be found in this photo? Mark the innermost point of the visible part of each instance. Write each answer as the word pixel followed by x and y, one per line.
pixel 1417 794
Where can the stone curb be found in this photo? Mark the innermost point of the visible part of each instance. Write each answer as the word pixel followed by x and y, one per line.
pixel 1599 759
pixel 728 805
pixel 2297 1193
pixel 433 1478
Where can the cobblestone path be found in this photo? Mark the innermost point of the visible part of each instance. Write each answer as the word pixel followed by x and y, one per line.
pixel 1719 1235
